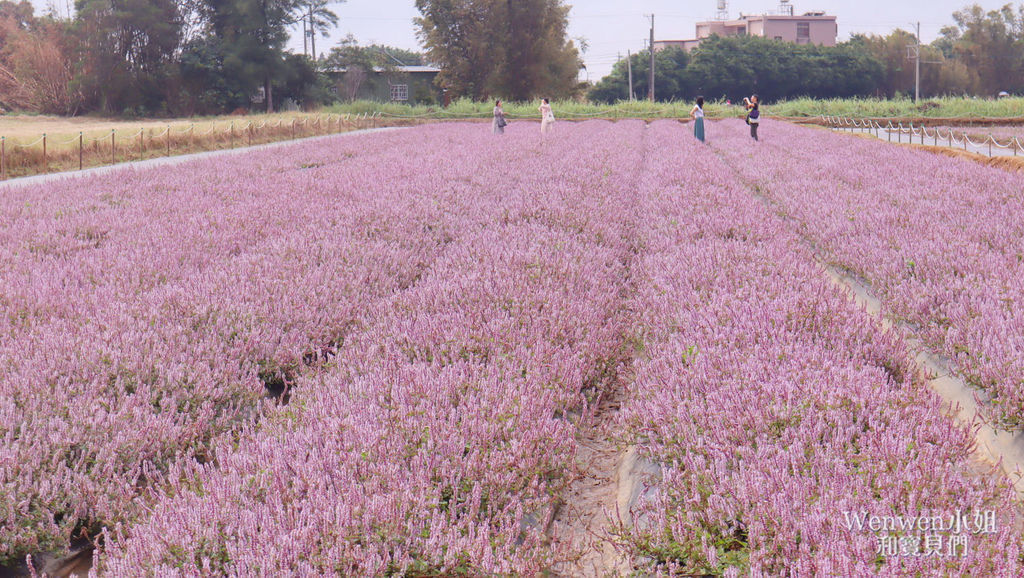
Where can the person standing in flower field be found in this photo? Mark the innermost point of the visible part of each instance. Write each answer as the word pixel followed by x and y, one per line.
pixel 547 118
pixel 499 124
pixel 697 114
pixel 754 115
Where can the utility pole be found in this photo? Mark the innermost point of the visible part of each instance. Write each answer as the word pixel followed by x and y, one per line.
pixel 629 70
pixel 917 67
pixel 914 53
pixel 650 91
pixel 305 38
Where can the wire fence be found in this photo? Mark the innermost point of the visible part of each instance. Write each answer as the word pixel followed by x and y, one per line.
pixel 47 154
pixel 921 134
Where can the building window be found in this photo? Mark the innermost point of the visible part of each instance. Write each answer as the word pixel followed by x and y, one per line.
pixel 803 29
pixel 400 92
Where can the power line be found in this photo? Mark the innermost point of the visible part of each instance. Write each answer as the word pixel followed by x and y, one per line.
pixel 629 68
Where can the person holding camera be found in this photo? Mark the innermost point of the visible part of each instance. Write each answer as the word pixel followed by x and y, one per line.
pixel 753 114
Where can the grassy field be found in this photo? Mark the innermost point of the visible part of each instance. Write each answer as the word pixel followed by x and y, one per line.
pixel 944 108
pixel 937 108
pixel 30 126
pixel 92 141
pixel 567 110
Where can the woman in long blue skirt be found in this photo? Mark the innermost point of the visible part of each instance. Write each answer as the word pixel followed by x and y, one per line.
pixel 698 119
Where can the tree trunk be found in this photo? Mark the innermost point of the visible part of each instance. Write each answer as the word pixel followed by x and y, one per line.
pixel 312 33
pixel 268 89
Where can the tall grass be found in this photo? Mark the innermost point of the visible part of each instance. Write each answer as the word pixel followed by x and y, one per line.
pixel 800 108
pixel 953 108
pixel 468 109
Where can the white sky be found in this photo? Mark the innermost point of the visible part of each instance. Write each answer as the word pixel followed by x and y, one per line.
pixel 614 26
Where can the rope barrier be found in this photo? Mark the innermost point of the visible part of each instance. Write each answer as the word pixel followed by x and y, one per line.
pixel 23 146
pixel 972 143
pixel 936 134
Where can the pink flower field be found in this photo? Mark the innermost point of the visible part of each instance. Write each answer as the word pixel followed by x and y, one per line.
pixel 392 353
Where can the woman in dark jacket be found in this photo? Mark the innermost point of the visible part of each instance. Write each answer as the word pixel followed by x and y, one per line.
pixel 753 114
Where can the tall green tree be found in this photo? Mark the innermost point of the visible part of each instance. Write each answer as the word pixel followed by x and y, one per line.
pixel 941 72
pixel 204 86
pixel 245 41
pixel 540 60
pixel 463 38
pixel 671 81
pixel 129 47
pixel 991 44
pixel 252 35
pixel 737 66
pixel 320 19
pixel 516 49
pixel 891 51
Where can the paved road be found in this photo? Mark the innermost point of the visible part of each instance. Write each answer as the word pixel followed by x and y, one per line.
pixel 896 136
pixel 174 160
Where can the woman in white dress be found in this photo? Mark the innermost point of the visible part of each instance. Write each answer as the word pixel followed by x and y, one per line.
pixel 547 118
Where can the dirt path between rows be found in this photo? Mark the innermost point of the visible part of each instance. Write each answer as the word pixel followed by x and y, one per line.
pixel 615 479
pixel 612 476
pixel 597 501
pixel 994 448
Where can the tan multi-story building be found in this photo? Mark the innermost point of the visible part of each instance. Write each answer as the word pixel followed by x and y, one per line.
pixel 810 28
